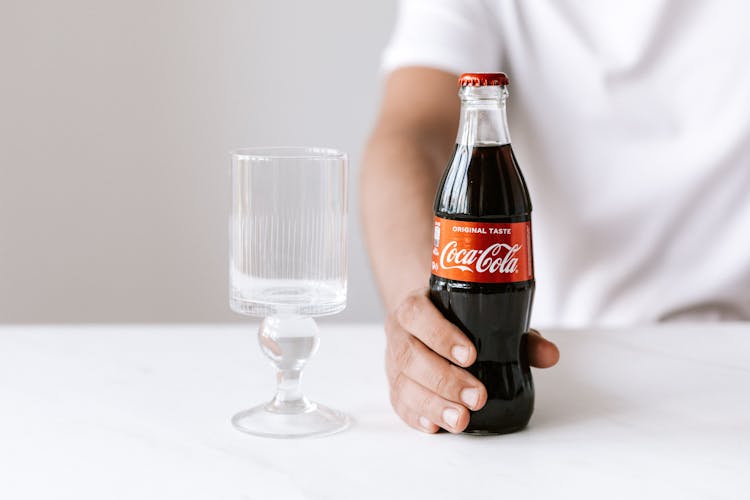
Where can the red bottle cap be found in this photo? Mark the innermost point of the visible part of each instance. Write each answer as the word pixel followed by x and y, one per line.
pixel 482 79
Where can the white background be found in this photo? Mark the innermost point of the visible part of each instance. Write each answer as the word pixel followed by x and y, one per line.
pixel 116 118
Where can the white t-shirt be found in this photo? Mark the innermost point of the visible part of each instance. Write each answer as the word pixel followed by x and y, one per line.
pixel 631 123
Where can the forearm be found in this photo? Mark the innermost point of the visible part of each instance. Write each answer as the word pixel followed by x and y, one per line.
pixel 400 174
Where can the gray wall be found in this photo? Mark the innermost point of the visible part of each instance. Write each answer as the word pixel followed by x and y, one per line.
pixel 115 122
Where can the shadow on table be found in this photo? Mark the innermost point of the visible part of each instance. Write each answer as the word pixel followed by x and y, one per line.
pixel 565 397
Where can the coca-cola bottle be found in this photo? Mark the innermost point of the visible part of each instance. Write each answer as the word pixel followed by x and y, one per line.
pixel 482 275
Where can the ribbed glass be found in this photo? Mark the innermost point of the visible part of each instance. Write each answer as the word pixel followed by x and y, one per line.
pixel 288 231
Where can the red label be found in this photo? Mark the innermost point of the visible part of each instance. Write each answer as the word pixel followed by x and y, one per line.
pixel 482 252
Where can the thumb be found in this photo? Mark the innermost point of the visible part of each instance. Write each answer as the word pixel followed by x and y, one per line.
pixel 542 352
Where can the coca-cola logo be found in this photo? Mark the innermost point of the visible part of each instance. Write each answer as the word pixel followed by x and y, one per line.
pixel 496 258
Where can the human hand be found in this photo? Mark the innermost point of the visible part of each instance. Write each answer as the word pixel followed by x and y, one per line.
pixel 428 390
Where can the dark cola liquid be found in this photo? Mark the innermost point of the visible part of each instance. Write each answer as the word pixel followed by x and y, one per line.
pixel 484 184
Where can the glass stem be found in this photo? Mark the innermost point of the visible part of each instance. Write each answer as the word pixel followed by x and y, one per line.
pixel 288 385
pixel 289 341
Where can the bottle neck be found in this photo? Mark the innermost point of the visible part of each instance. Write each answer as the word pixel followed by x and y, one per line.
pixel 483 120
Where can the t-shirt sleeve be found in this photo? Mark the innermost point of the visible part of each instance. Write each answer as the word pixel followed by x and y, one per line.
pixel 458 36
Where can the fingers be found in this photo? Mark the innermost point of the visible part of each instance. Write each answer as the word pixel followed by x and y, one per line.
pixel 424 410
pixel 542 352
pixel 418 316
pixel 440 376
pixel 428 391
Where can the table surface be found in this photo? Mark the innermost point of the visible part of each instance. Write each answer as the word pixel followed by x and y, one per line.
pixel 141 412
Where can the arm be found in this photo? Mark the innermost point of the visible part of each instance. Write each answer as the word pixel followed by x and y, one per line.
pixel 404 160
pixel 403 163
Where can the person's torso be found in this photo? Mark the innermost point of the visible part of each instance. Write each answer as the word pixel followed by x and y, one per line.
pixel 631 123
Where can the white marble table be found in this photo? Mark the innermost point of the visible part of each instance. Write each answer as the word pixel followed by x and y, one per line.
pixel 142 412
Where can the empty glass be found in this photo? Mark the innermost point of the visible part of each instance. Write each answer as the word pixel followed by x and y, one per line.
pixel 288 264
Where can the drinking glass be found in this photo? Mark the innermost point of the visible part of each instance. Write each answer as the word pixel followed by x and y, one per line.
pixel 288 265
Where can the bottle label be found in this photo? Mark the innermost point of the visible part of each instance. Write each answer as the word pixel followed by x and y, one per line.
pixel 482 252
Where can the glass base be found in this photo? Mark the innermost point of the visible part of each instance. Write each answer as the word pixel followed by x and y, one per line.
pixel 267 421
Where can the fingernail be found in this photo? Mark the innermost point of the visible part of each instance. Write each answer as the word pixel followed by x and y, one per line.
pixel 426 424
pixel 470 397
pixel 460 353
pixel 450 417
